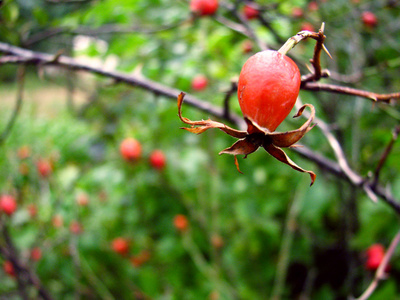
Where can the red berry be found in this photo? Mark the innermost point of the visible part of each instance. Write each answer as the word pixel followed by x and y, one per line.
pixel 44 167
pixel 250 12
pixel 8 204
pixel 8 268
pixel 36 254
pixel 82 199
pixel 247 46
pixel 204 7
pixel 217 241
pixel 199 82
pixel 307 27
pixel 157 160
pixel 313 6
pixel 58 221
pixel 268 87
pixel 369 19
pixel 32 209
pixel 140 258
pixel 375 254
pixel 75 227
pixel 297 12
pixel 24 152
pixel 120 245
pixel 181 222
pixel 130 149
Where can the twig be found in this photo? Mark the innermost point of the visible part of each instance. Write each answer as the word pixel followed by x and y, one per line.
pixel 22 56
pixel 38 58
pixel 316 86
pixel 380 272
pixel 105 29
pixel 24 275
pixel 18 105
pixel 385 154
pixel 248 30
pixel 227 98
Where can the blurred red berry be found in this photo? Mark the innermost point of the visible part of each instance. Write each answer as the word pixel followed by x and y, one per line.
pixel 58 221
pixel 204 7
pixel 82 199
pixel 369 19
pixel 199 82
pixel 75 227
pixel 157 159
pixel 8 204
pixel 313 6
pixel 375 254
pixel 130 149
pixel 297 12
pixel 307 26
pixel 120 245
pixel 44 167
pixel 9 268
pixel 32 210
pixel 24 152
pixel 36 254
pixel 247 46
pixel 217 241
pixel 140 259
pixel 250 12
pixel 181 222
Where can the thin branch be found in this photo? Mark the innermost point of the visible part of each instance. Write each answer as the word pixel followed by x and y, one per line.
pixel 380 273
pixel 105 29
pixel 23 56
pixel 385 154
pixel 227 98
pixel 249 32
pixel 36 58
pixel 24 274
pixel 316 86
pixel 18 105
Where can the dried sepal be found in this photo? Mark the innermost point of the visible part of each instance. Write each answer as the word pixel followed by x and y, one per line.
pixel 280 155
pixel 237 165
pixel 203 125
pixel 244 146
pixel 287 139
pixel 255 137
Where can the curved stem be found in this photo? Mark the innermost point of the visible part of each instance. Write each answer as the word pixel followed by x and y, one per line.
pixel 18 105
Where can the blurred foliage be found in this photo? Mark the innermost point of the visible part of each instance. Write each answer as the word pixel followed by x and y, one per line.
pixel 249 235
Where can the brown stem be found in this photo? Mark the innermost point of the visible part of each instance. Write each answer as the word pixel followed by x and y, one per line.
pixel 316 86
pixel 380 272
pixel 227 98
pixel 385 154
pixel 24 275
pixel 21 56
pixel 18 105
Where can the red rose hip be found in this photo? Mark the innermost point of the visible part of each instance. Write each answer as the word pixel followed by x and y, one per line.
pixel 181 222
pixel 157 160
pixel 269 84
pixel 199 82
pixel 8 204
pixel 120 245
pixel 8 268
pixel 204 7
pixel 250 12
pixel 44 167
pixel 369 19
pixel 375 254
pixel 130 149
